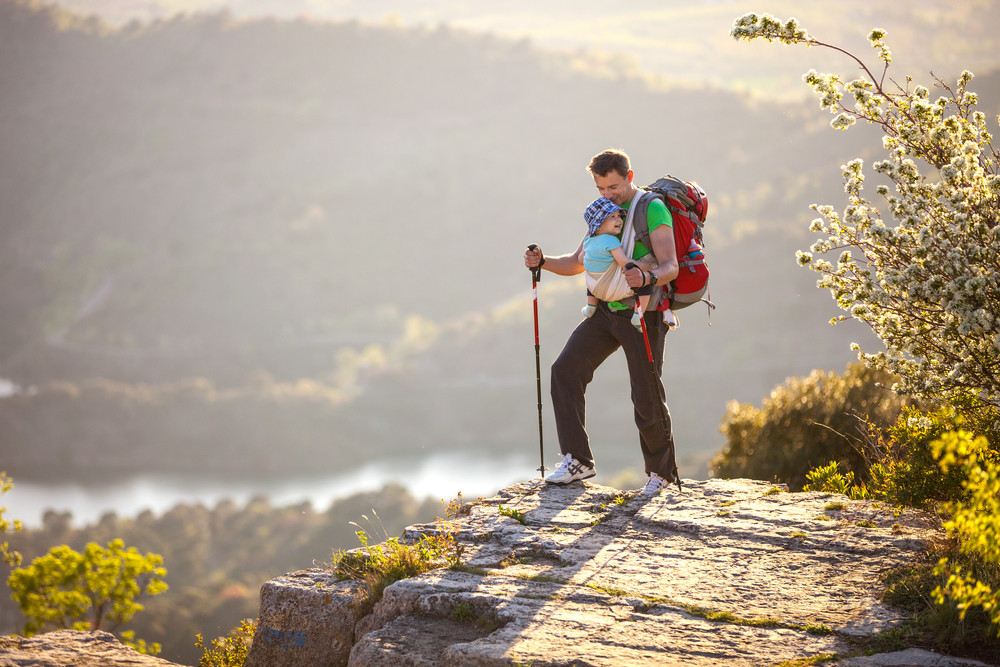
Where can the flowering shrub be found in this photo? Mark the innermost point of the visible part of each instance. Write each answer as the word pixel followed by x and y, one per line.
pixel 924 271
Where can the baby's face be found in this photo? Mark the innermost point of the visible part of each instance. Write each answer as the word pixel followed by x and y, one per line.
pixel 612 224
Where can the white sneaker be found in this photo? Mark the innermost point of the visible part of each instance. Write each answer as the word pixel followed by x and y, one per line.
pixel 671 319
pixel 570 470
pixel 654 485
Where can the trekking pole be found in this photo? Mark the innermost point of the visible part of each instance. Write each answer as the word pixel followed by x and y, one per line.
pixel 536 276
pixel 656 387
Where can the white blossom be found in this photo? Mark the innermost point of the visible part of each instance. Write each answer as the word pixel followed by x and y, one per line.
pixel 926 279
pixel 843 121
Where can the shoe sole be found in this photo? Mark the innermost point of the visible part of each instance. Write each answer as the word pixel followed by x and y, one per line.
pixel 578 479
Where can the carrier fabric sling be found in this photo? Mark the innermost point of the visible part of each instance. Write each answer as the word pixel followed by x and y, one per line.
pixel 610 285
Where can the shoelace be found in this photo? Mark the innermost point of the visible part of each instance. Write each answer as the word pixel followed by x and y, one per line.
pixel 565 463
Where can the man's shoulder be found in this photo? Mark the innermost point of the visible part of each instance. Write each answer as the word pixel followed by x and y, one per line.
pixel 656 201
pixel 657 212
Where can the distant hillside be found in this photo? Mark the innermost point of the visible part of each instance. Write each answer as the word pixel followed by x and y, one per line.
pixel 197 193
pixel 679 42
pixel 263 202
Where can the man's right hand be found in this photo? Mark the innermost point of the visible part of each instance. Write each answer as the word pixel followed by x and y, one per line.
pixel 533 257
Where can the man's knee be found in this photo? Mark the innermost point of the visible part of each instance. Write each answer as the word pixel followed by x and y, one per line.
pixel 570 371
pixel 563 370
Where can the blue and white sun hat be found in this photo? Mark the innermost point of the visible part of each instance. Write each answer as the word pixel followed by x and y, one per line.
pixel 598 211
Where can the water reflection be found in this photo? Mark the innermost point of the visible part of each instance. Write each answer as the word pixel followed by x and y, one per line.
pixel 438 476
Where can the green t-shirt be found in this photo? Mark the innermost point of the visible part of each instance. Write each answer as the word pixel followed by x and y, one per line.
pixel 657 214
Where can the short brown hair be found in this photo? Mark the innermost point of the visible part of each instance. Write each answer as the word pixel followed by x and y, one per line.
pixel 610 160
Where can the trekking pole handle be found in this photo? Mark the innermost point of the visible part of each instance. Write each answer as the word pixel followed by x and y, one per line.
pixel 633 265
pixel 536 271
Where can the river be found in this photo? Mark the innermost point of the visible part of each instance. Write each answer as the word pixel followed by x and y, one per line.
pixel 441 476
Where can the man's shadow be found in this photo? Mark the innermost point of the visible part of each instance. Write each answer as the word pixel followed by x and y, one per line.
pixel 518 576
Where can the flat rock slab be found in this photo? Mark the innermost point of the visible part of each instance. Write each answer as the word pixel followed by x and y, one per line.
pixel 733 572
pixel 913 657
pixel 72 648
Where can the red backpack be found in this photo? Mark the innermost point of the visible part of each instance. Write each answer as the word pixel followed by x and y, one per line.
pixel 688 204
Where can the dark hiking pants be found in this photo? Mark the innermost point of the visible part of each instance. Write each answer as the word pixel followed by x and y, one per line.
pixel 593 341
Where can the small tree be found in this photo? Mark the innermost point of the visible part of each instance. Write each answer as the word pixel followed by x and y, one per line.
pixel 928 282
pixel 93 590
pixel 12 558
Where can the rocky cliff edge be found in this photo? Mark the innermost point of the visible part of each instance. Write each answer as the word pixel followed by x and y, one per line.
pixel 726 572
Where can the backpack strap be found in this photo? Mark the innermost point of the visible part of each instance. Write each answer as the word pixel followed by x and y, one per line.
pixel 640 225
pixel 639 219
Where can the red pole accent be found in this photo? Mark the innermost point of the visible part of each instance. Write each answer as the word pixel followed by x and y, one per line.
pixel 534 293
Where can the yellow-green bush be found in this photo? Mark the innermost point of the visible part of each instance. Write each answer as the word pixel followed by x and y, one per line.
pixel 804 423
pixel 975 520
pixel 902 465
pixel 7 555
pixel 906 471
pixel 928 460
pixel 231 650
pixel 377 566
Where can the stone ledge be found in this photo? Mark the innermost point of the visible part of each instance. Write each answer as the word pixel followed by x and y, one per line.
pixel 72 648
pixel 591 579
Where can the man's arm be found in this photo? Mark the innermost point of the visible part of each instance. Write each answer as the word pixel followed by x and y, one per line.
pixel 662 240
pixel 563 265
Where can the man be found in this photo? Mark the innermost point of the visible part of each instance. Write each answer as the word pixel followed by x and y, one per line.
pixel 597 337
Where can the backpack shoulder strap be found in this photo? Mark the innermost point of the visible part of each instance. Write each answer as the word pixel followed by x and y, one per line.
pixel 640 225
pixel 640 221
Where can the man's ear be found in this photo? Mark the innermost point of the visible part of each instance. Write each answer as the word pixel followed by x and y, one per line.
pixel 631 174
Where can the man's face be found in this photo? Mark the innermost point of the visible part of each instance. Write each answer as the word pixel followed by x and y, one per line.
pixel 615 187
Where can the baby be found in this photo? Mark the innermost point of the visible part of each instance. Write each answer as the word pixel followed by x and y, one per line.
pixel 603 253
